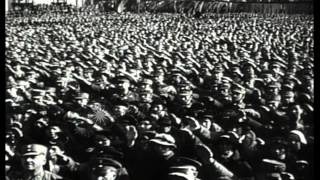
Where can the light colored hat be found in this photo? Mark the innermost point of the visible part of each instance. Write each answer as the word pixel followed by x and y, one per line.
pixel 300 135
pixel 164 139
pixel 34 149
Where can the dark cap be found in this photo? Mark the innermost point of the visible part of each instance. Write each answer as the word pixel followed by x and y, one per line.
pixel 182 162
pixel 147 81
pixel 166 121
pixel 273 84
pixel 238 88
pixel 272 166
pixel 100 163
pixel 164 140
pixel 38 93
pixel 82 96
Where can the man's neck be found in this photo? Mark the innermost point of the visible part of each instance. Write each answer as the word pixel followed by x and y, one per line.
pixel 35 172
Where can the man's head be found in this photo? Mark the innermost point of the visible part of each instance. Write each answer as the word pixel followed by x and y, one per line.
pixel 144 125
pixel 287 97
pixel 165 124
pixel 34 156
pixel 278 148
pixel 225 146
pixel 120 109
pixel 123 84
pixel 217 74
pixel 53 132
pixel 224 90
pixel 184 94
pixel 163 144
pixel 146 95
pixel 185 167
pixel 105 169
pixel 238 93
pixel 272 88
pixel 82 99
pixel 296 139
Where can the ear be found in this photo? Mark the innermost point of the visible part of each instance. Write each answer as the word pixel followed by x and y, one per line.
pixel 44 159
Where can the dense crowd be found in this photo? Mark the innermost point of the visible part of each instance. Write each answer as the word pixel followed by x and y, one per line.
pixel 159 97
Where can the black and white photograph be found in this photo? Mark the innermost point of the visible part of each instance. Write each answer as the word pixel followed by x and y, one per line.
pixel 159 89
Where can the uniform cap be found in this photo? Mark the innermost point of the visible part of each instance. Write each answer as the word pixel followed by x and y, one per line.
pixel 300 136
pixel 38 93
pixel 238 88
pixel 185 162
pixel 33 149
pixel 164 139
pixel 272 166
pixel 147 81
pixel 165 121
pixel 82 96
pixel 100 163
pixel 273 84
pixel 288 94
pixel 178 176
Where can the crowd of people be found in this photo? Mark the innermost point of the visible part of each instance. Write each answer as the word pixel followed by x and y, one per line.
pixel 159 97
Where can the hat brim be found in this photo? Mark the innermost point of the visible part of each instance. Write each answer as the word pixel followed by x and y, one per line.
pixel 157 141
pixel 32 154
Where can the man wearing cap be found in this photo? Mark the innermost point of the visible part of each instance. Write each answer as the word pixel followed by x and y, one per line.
pixel 33 160
pixel 106 168
pixel 226 149
pixel 185 167
pixel 122 91
pixel 186 101
pixel 162 89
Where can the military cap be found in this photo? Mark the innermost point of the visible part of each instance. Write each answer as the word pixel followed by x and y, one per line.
pixel 38 93
pixel 146 91
pixel 288 94
pixel 218 69
pixel 277 64
pixel 31 72
pixel 17 124
pixel 18 132
pixel 302 162
pixel 176 72
pixel 274 84
pixel 238 88
pixel 164 140
pixel 178 176
pixel 100 163
pixel 166 121
pixel 184 86
pixel 289 85
pixel 147 81
pixel 51 89
pixel 34 149
pixel 124 78
pixel 270 166
pixel 82 96
pixel 299 136
pixel 182 162
pixel 229 137
pixel 275 98
pixel 249 63
pixel 203 115
pixel 225 85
